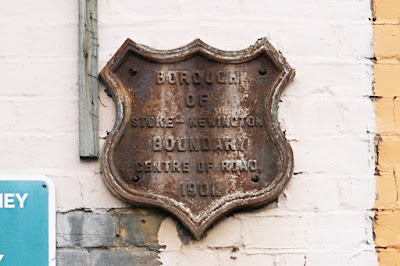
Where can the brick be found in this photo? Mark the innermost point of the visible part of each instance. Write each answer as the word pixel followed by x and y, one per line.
pixel 357 40
pixel 31 40
pixel 85 229
pixel 341 230
pixel 123 258
pixel 321 79
pixel 168 236
pixel 226 233
pixel 291 259
pixel 54 151
pixel 358 193
pixel 69 191
pixel 397 114
pixel 364 257
pixel 170 258
pixel 212 9
pixel 198 256
pixel 334 116
pixel 40 81
pixel 387 80
pixel 65 236
pixel 387 11
pixel 99 230
pixel 385 122
pixel 389 256
pixel 66 11
pixel 386 39
pixel 322 36
pixel 331 155
pixel 357 118
pixel 96 194
pixel 386 194
pixel 305 193
pixel 304 121
pixel 9 110
pixel 238 258
pixel 72 257
pixel 267 232
pixel 350 258
pixel 48 115
pixel 127 11
pixel 397 178
pixel 387 228
pixel 388 152
pixel 138 227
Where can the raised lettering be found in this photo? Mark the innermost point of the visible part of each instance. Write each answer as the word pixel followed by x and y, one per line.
pixel 172 77
pixel 221 77
pixel 157 143
pixel 202 189
pixel 183 77
pixel 190 99
pixel 160 77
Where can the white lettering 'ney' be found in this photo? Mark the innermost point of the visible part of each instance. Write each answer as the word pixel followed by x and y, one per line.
pixel 7 200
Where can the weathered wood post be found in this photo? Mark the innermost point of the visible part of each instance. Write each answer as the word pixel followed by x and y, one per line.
pixel 88 79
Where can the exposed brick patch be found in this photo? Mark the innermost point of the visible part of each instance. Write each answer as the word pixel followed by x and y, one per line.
pixel 114 237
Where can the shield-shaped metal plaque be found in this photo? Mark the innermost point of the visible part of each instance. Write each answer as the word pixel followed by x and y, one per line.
pixel 197 131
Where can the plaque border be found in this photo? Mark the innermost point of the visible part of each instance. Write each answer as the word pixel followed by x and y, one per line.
pixel 197 225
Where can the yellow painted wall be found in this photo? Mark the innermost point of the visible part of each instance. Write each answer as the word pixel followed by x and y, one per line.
pixel 387 104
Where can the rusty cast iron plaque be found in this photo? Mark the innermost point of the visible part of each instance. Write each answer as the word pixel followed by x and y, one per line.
pixel 197 131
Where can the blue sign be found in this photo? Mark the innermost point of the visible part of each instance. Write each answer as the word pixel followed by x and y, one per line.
pixel 27 221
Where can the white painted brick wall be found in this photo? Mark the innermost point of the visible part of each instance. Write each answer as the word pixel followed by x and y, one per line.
pixel 322 218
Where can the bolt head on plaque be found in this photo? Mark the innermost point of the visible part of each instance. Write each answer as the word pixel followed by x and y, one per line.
pixel 197 132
